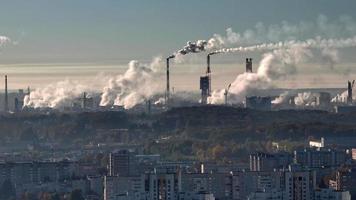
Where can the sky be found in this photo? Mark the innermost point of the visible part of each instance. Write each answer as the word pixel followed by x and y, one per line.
pixel 59 39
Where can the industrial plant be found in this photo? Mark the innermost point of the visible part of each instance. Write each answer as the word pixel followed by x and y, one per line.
pixel 331 100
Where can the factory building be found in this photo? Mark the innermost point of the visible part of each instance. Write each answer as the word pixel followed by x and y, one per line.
pixel 261 161
pixel 248 65
pixel 258 103
pixel 204 87
pixel 323 99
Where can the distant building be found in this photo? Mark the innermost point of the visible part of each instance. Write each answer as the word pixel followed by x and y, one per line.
pixel 316 143
pixel 327 194
pixel 353 151
pixel 263 195
pixel 122 163
pixel 258 103
pixel 343 180
pixel 249 184
pixel 323 99
pixel 321 157
pixel 116 187
pixel 163 185
pixel 299 184
pixel 345 109
pixel 196 196
pixel 267 162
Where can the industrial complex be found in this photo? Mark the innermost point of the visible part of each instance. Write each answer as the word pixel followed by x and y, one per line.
pixel 332 100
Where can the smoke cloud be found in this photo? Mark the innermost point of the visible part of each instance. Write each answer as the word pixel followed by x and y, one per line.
pixel 274 65
pixel 305 99
pixel 282 98
pixel 58 95
pixel 343 27
pixel 288 54
pixel 4 40
pixel 318 43
pixel 191 47
pixel 138 83
pixel 329 57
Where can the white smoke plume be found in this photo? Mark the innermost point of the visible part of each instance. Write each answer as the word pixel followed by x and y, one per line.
pixel 190 47
pixel 282 98
pixel 317 43
pixel 273 65
pixel 138 83
pixel 343 27
pixel 270 37
pixel 58 95
pixel 305 99
pixel 329 57
pixel 341 98
pixel 4 40
pixel 160 101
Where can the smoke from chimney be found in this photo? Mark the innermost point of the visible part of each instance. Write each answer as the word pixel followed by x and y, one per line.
pixel 4 40
pixel 273 65
pixel 138 83
pixel 57 95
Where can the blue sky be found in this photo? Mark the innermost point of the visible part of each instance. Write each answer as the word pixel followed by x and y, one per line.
pixel 121 30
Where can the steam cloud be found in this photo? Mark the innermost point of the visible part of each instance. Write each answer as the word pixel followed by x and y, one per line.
pixel 317 43
pixel 305 99
pixel 343 27
pixel 139 83
pixel 190 47
pixel 4 40
pixel 274 65
pixel 58 95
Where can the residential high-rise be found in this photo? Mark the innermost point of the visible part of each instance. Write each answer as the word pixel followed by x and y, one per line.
pixel 122 163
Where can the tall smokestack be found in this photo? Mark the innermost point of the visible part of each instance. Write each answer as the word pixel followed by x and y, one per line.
pixel 249 65
pixel 84 101
pixel 6 106
pixel 149 105
pixel 208 73
pixel 167 86
pixel 350 85
pixel 167 96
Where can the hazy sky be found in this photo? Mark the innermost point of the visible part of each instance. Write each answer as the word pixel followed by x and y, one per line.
pixel 105 30
pixel 116 31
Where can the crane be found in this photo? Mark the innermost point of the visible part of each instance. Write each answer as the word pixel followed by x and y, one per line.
pixel 226 93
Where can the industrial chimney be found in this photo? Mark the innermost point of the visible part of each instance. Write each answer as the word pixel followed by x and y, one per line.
pixel 84 101
pixel 149 106
pixel 208 73
pixel 167 96
pixel 205 83
pixel 350 85
pixel 6 105
pixel 226 92
pixel 249 65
